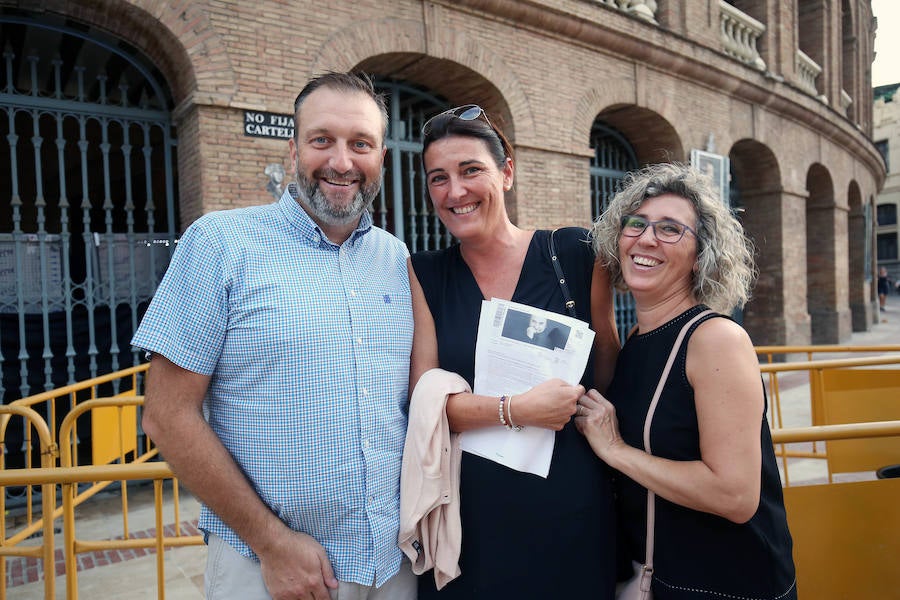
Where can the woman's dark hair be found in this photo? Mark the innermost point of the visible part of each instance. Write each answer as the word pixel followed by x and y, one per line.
pixel 449 124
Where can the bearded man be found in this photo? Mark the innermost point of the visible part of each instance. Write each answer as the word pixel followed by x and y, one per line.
pixel 280 340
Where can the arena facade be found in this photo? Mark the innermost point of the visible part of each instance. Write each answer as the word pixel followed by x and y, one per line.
pixel 126 120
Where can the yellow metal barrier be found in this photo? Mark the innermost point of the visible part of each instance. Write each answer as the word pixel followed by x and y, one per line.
pixel 825 378
pixel 113 431
pixel 115 439
pixel 857 396
pixel 814 368
pixel 119 456
pixel 120 416
pixel 769 354
pixel 10 546
pixel 846 535
pixel 68 478
pixel 57 403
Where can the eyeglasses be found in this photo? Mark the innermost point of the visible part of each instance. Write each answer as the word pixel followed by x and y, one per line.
pixel 466 112
pixel 664 230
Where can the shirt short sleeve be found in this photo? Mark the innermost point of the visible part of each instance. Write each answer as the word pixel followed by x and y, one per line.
pixel 187 318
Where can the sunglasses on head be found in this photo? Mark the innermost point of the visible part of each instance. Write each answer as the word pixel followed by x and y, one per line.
pixel 466 112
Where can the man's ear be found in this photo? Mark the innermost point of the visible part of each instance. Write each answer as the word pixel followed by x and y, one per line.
pixel 292 146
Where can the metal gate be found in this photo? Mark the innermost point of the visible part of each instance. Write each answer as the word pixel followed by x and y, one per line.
pixel 613 157
pixel 403 207
pixel 88 210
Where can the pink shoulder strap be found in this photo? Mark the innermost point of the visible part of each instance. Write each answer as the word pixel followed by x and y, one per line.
pixel 651 497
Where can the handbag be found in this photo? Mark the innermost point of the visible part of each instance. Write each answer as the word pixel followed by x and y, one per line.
pixel 638 587
pixel 567 296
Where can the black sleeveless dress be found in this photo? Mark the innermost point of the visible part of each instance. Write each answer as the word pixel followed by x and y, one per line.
pixel 524 536
pixel 698 555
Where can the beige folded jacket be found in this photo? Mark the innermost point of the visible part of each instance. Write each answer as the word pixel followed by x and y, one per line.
pixel 430 529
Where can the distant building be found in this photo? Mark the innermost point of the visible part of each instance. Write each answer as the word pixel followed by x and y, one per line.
pixel 122 121
pixel 886 133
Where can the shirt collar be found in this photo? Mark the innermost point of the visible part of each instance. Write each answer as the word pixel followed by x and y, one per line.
pixel 308 229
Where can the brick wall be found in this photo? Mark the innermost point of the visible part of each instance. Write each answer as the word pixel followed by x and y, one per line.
pixel 547 70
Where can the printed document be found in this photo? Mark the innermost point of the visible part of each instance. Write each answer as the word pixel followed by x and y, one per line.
pixel 518 347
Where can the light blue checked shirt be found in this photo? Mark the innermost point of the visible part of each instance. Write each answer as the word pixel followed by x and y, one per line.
pixel 308 345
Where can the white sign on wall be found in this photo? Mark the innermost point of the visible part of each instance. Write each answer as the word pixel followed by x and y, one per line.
pixel 716 167
pixel 268 125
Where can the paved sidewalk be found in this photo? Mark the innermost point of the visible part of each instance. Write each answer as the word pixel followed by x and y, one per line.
pixel 120 574
pixel 128 575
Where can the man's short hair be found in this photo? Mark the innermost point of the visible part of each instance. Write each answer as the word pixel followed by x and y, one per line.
pixel 344 82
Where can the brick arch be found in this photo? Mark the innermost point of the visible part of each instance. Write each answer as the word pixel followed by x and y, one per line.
pixel 204 55
pixel 756 167
pixel 820 185
pixel 207 79
pixel 653 138
pixel 591 103
pixel 411 52
pixel 354 44
pixel 854 196
pixel 181 42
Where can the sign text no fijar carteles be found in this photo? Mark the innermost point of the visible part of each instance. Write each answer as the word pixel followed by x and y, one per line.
pixel 268 125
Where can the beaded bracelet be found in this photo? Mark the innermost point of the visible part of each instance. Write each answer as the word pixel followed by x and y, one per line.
pixel 500 410
pixel 509 419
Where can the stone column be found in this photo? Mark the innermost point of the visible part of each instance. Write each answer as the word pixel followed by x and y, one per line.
pixel 776 314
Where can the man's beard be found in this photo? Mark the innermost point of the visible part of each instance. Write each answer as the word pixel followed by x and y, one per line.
pixel 322 208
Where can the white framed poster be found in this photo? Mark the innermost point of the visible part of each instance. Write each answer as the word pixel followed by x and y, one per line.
pixel 716 167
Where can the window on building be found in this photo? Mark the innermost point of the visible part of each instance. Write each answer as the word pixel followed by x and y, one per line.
pixel 887 246
pixel 887 214
pixel 882 147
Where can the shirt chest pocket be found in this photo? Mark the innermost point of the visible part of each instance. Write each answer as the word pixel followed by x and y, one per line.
pixel 382 321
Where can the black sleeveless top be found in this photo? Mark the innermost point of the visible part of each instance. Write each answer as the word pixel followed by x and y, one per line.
pixel 697 555
pixel 524 536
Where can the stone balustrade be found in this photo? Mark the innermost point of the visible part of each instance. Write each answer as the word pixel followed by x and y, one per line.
pixel 846 101
pixel 642 9
pixel 740 33
pixel 809 71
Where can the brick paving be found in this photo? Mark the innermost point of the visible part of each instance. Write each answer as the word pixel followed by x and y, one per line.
pixel 22 570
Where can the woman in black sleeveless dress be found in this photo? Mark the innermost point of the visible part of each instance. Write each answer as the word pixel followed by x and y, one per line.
pixel 720 524
pixel 523 536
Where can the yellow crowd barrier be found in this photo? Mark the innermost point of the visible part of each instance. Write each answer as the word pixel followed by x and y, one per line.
pixel 118 453
pixel 844 532
pixel 846 535
pixel 10 541
pixel 840 390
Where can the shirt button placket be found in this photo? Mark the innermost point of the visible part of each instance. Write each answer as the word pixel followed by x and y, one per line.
pixel 358 320
pixel 366 441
